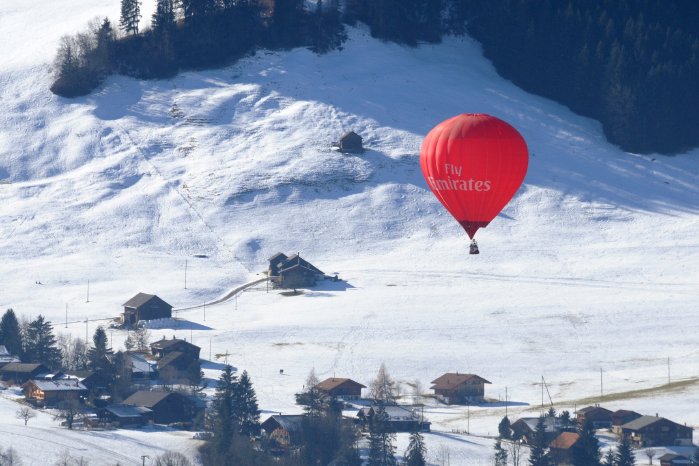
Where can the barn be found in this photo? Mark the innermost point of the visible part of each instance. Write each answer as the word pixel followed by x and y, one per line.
pixel 145 307
pixel 351 142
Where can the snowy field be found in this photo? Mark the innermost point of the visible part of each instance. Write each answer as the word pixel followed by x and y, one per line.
pixel 594 265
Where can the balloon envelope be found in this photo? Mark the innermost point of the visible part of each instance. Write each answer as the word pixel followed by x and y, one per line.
pixel 474 164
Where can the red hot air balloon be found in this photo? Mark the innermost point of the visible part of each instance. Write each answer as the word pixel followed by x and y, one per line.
pixel 474 164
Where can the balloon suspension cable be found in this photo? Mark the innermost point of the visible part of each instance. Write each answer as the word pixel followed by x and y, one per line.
pixel 473 248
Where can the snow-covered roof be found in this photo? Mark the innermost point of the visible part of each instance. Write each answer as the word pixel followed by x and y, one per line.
pixel 61 385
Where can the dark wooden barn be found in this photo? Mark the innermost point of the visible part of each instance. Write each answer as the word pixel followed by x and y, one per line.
pixel 163 347
pixel 167 407
pixel 351 142
pixel 19 372
pixel 145 307
pixel 601 418
pixel 127 416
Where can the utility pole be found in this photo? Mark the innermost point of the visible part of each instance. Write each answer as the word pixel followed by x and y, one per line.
pixel 143 458
pixel 210 349
pixel 204 312
pixel 505 401
pixel 468 418
pixel 185 274
pixel 601 385
pixel 87 300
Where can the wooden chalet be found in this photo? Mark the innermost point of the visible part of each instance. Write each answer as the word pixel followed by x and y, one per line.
pixel 141 367
pixel 351 142
pixel 654 431
pixel 673 459
pixel 400 419
pixel 346 389
pixel 284 429
pixel 525 427
pixel 53 392
pixel 20 373
pixel 292 271
pixel 145 307
pixel 162 348
pixel 127 416
pixel 601 418
pixel 167 407
pixel 455 388
pixel 560 448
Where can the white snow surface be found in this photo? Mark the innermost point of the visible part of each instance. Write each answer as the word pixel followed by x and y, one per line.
pixel 593 265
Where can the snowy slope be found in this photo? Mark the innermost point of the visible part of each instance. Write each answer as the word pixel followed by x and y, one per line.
pixel 594 264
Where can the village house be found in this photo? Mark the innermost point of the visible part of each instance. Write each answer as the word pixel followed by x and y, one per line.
pixel 340 388
pixel 145 307
pixel 351 142
pixel 19 372
pixel 601 418
pixel 654 431
pixel 284 429
pixel 400 419
pixel 141 368
pixel 292 271
pixel 167 407
pixel 621 417
pixel 162 348
pixel 53 392
pixel 455 388
pixel 560 448
pixel 524 428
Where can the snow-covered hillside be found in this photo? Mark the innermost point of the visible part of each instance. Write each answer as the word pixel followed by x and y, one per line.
pixel 594 265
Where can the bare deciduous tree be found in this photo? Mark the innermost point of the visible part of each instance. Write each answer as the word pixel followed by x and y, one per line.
pixel 25 413
pixel 172 458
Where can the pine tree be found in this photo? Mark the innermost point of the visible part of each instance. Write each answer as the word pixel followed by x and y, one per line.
pixel 122 385
pixel 500 454
pixel 41 344
pixel 313 400
pixel 164 17
pixel 624 454
pixel 586 451
pixel 505 429
pixel 415 454
pixel 247 412
pixel 98 354
pixel 609 459
pixel 10 333
pixel 222 411
pixel 130 16
pixel 537 454
pixel 381 448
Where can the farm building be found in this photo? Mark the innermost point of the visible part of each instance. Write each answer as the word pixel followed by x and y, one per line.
pixel 127 416
pixel 292 271
pixel 455 388
pixel 400 419
pixel 560 448
pixel 351 142
pixel 654 431
pixel 6 357
pixel 673 459
pixel 621 417
pixel 167 407
pixel 524 428
pixel 601 418
pixel 19 372
pixel 145 307
pixel 346 389
pixel 163 347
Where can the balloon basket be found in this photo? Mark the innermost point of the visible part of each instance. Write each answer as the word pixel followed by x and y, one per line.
pixel 473 248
